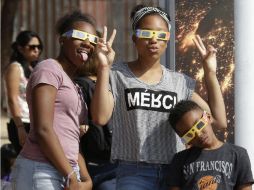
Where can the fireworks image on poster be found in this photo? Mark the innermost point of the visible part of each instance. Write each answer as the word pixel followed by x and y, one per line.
pixel 213 20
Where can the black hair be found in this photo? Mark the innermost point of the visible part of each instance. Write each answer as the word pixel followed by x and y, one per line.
pixel 7 153
pixel 180 109
pixel 66 22
pixel 140 6
pixel 22 40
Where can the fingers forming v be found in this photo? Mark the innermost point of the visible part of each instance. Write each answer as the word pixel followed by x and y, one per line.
pixel 112 37
pixel 199 44
pixel 104 34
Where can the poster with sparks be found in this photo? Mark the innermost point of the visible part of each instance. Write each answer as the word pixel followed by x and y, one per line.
pixel 213 20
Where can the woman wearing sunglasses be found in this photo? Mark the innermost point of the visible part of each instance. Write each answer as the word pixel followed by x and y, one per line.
pixel 50 157
pixel 25 54
pixel 142 93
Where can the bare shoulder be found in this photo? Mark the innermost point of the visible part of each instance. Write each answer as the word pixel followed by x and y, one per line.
pixel 12 72
pixel 13 68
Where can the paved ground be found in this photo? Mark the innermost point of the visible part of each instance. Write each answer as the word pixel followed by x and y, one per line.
pixel 4 136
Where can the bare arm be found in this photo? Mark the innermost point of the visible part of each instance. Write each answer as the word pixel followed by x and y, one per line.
pixel 215 98
pixel 102 101
pixel 12 79
pixel 86 181
pixel 43 101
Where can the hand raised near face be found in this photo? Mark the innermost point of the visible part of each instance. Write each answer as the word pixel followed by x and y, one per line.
pixel 208 55
pixel 104 52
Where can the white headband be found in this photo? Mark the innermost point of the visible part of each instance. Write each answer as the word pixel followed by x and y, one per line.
pixel 142 12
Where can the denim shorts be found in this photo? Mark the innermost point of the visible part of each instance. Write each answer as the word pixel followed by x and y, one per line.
pixel 33 175
pixel 142 176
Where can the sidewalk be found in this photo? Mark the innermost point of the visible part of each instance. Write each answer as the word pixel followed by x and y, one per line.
pixel 4 135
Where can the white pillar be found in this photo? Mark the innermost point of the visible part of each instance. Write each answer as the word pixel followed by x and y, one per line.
pixel 244 76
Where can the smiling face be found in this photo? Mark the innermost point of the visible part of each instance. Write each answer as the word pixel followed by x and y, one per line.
pixel 203 138
pixel 78 51
pixel 151 47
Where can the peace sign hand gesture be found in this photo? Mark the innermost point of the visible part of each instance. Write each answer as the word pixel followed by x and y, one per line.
pixel 208 55
pixel 104 52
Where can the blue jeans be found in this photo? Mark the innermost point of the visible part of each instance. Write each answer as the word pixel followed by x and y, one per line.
pixel 142 176
pixel 29 174
pixel 103 175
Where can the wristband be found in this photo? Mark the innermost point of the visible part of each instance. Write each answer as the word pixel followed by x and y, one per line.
pixel 67 178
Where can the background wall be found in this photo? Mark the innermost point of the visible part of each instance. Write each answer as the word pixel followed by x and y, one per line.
pixel 213 20
pixel 41 16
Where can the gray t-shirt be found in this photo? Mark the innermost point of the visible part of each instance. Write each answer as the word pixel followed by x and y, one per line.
pixel 225 168
pixel 141 131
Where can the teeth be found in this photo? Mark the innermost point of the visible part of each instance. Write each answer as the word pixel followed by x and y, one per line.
pixel 82 50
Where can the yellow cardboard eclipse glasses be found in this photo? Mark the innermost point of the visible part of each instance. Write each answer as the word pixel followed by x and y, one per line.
pixel 77 34
pixel 197 128
pixel 160 35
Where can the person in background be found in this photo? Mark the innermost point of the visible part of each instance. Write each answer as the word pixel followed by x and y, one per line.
pixel 142 93
pixel 95 145
pixel 25 54
pixel 8 156
pixel 209 163
pixel 50 158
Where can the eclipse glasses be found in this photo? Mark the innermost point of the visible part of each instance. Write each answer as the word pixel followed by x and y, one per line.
pixel 160 35
pixel 196 128
pixel 77 34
